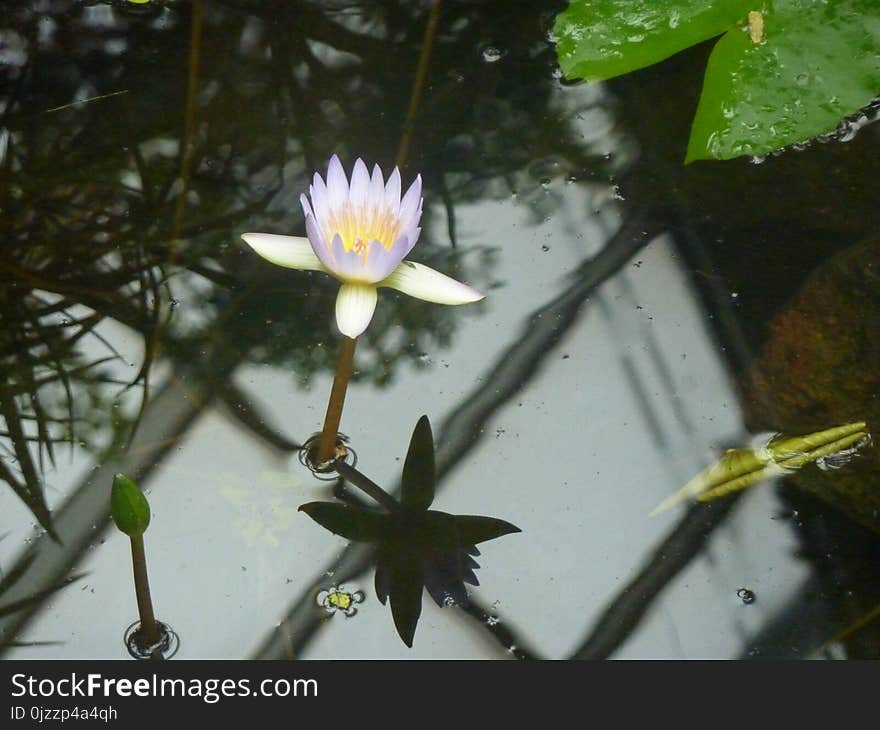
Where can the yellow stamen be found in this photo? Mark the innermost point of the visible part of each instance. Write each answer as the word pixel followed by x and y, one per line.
pixel 357 227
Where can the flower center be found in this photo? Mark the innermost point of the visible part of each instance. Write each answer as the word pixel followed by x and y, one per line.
pixel 359 226
pixel 360 246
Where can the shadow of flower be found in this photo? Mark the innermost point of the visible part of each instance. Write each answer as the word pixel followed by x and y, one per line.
pixel 416 547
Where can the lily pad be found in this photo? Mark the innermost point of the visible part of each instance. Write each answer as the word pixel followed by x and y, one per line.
pixel 816 63
pixel 601 39
pixel 784 72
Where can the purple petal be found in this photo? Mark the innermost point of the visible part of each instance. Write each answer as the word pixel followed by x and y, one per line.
pixel 318 192
pixel 392 192
pixel 411 223
pixel 376 193
pixel 410 205
pixel 360 181
pixel 381 261
pixel 319 243
pixel 337 184
pixel 307 209
pixel 412 238
pixel 346 264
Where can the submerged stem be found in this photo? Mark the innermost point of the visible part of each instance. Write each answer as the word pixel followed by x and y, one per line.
pixel 367 485
pixel 419 83
pixel 327 446
pixel 149 627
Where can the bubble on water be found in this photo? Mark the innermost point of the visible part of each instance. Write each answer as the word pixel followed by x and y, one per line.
pixel 325 471
pixel 746 595
pixel 340 599
pixel 492 621
pixel 545 248
pixel 491 54
pixel 137 646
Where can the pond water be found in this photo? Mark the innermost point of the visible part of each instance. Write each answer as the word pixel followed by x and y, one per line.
pixel 641 318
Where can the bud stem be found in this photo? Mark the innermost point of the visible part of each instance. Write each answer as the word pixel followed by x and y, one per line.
pixel 367 485
pixel 149 627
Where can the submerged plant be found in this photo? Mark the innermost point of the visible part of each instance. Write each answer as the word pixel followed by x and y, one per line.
pixel 8 581
pixel 741 468
pixel 417 547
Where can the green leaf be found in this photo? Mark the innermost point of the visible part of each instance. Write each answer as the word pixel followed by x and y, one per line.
pixel 600 39
pixel 128 506
pixel 352 523
pixel 419 475
pixel 817 62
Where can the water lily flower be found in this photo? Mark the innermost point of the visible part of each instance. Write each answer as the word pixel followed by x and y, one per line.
pixel 360 233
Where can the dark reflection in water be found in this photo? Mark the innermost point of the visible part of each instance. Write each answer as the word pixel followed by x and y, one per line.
pixel 134 148
pixel 417 548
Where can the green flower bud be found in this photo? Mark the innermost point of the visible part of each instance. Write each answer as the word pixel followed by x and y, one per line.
pixel 128 506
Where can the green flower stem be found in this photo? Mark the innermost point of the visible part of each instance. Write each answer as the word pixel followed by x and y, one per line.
pixel 149 626
pixel 327 445
pixel 366 485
